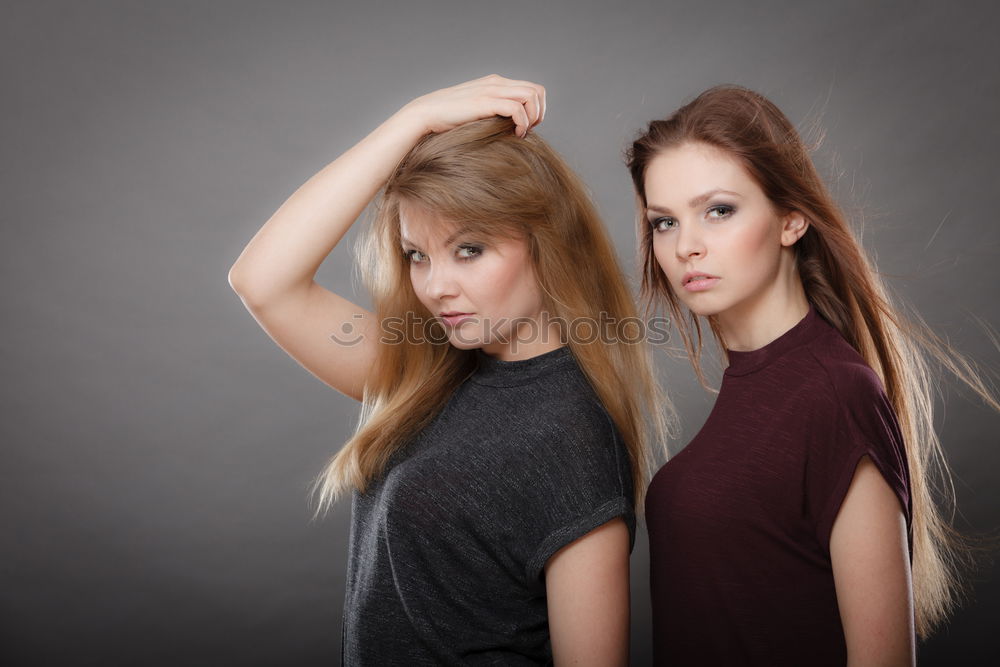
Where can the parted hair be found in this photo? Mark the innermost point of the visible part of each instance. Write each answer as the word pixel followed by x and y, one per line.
pixel 482 178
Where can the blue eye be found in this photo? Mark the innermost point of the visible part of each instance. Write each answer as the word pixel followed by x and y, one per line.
pixel 415 256
pixel 662 224
pixel 469 251
pixel 720 211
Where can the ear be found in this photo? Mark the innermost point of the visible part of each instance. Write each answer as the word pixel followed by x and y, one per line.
pixel 793 226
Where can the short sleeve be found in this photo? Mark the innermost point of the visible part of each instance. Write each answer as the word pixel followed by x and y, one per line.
pixel 865 425
pixel 576 478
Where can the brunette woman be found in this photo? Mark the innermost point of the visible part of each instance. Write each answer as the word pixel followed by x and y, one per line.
pixel 798 526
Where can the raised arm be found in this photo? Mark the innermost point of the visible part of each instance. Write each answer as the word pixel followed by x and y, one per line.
pixel 275 274
pixel 871 571
pixel 587 586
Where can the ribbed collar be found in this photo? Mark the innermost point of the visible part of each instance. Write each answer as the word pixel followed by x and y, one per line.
pixel 743 363
pixel 499 373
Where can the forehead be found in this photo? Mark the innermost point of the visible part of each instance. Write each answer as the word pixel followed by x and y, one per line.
pixel 685 171
pixel 424 227
pixel 419 224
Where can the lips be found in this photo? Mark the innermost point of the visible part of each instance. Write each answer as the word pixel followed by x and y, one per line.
pixel 696 281
pixel 454 317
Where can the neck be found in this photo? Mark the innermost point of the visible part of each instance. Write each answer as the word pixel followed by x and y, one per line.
pixel 527 341
pixel 752 325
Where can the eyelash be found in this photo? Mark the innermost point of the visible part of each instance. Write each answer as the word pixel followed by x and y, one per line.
pixel 655 224
pixel 408 254
pixel 726 211
pixel 729 210
pixel 475 250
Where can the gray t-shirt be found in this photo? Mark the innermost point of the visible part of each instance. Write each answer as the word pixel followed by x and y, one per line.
pixel 448 548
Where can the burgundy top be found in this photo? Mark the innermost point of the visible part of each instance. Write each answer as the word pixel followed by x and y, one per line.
pixel 739 521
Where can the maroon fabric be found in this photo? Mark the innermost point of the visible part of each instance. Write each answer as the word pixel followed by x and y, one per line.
pixel 739 521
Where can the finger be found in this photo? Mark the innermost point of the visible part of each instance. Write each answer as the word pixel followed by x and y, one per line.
pixel 488 80
pixel 538 92
pixel 519 82
pixel 525 94
pixel 532 106
pixel 515 111
pixel 537 109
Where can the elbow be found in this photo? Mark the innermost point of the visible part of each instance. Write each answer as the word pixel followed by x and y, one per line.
pixel 237 281
pixel 235 276
pixel 245 286
pixel 260 290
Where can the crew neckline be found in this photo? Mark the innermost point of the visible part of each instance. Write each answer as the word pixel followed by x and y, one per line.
pixel 493 371
pixel 745 362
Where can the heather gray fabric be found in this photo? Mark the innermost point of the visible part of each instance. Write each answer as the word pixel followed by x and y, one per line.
pixel 447 550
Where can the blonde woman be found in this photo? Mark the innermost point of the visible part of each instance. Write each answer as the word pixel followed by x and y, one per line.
pixel 798 526
pixel 498 459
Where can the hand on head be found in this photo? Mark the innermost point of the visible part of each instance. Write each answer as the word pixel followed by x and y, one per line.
pixel 493 95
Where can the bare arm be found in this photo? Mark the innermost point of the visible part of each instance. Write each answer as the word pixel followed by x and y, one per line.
pixel 587 585
pixel 871 570
pixel 274 276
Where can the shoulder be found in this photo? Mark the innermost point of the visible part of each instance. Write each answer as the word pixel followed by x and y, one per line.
pixel 550 431
pixel 565 439
pixel 573 432
pixel 865 424
pixel 543 435
pixel 847 404
pixel 847 376
pixel 558 406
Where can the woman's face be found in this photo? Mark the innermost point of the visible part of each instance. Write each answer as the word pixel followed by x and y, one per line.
pixel 478 289
pixel 716 236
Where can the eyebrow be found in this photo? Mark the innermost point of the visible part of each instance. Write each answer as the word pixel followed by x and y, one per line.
pixel 447 242
pixel 697 201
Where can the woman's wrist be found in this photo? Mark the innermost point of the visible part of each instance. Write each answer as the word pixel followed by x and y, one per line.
pixel 408 124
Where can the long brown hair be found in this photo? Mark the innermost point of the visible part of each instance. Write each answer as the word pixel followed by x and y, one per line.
pixel 484 178
pixel 845 289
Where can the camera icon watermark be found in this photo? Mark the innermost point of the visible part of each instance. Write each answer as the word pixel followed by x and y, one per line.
pixel 349 335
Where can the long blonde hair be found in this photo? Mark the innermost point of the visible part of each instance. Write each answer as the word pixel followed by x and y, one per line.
pixel 845 289
pixel 495 185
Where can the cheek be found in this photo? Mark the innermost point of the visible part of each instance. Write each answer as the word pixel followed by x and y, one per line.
pixel 512 284
pixel 664 254
pixel 532 296
pixel 758 247
pixel 522 291
pixel 416 282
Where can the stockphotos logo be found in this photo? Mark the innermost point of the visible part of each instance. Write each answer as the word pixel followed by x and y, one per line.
pixel 605 330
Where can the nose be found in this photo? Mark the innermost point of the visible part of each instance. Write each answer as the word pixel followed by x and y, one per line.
pixel 690 243
pixel 440 281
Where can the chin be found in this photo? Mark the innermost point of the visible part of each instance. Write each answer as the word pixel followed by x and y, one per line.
pixel 700 306
pixel 465 344
pixel 704 312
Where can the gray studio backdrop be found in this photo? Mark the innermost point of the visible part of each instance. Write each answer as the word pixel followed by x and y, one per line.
pixel 157 447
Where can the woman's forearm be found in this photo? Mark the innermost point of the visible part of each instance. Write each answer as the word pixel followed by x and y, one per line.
pixel 288 250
